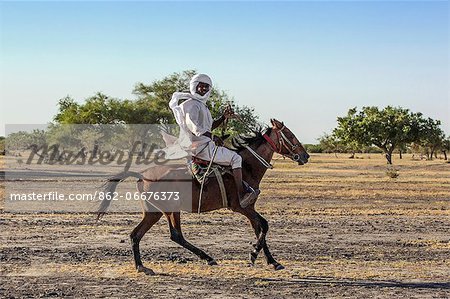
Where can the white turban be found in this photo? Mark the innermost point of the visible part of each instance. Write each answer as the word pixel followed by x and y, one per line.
pixel 193 87
pixel 177 96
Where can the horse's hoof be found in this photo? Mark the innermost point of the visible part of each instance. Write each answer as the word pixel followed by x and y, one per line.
pixel 145 270
pixel 252 258
pixel 212 263
pixel 277 266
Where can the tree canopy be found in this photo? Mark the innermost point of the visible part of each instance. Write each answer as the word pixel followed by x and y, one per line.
pixel 151 106
pixel 431 136
pixel 2 145
pixel 388 128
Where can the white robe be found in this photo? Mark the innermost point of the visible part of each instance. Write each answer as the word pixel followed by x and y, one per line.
pixel 194 119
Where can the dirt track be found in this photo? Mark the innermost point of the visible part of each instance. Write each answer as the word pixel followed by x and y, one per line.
pixel 340 227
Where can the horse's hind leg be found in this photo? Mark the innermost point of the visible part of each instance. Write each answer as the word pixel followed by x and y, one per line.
pixel 177 236
pixel 150 218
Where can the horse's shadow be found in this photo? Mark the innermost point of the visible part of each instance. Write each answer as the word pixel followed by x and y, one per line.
pixel 362 283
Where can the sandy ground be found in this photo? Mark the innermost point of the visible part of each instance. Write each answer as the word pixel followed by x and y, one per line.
pixel 341 227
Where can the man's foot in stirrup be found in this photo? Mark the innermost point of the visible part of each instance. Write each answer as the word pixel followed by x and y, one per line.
pixel 249 198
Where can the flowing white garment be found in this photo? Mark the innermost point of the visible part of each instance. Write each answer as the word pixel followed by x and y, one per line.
pixel 177 147
pixel 194 120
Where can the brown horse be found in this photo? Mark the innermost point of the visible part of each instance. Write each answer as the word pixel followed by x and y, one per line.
pixel 277 138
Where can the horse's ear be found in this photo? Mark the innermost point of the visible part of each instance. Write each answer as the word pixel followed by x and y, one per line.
pixel 276 124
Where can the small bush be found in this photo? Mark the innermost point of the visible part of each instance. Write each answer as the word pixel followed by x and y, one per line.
pixel 392 173
pixel 313 148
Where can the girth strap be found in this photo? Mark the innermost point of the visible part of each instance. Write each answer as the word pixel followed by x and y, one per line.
pixel 222 187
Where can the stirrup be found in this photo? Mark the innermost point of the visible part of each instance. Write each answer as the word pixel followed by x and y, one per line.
pixel 249 198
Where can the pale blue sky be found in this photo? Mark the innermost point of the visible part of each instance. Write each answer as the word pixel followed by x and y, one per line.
pixel 302 62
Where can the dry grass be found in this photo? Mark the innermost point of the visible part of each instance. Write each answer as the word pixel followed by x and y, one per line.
pixel 329 177
pixel 2 186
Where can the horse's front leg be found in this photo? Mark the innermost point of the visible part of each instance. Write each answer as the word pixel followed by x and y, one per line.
pixel 261 227
pixel 269 258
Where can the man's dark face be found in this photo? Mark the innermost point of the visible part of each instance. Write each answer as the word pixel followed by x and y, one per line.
pixel 202 88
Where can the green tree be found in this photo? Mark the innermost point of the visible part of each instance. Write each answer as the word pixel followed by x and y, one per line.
pixel 98 109
pixel 23 140
pixel 387 128
pixel 160 91
pixel 331 144
pixel 313 148
pixel 445 146
pixel 431 136
pixel 402 148
pixel 2 145
pixel 150 107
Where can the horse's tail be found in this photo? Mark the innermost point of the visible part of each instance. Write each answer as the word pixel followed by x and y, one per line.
pixel 110 186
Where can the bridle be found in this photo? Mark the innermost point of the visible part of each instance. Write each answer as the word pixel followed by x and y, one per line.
pixel 283 142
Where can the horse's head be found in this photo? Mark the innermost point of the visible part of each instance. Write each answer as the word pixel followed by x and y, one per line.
pixel 284 142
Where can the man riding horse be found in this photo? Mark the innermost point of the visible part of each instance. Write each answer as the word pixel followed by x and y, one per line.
pixel 196 125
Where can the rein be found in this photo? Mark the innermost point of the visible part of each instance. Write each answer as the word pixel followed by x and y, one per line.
pixel 259 158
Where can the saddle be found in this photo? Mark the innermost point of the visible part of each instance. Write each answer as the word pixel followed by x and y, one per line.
pixel 197 168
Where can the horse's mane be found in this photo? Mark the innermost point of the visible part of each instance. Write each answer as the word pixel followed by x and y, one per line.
pixel 254 138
